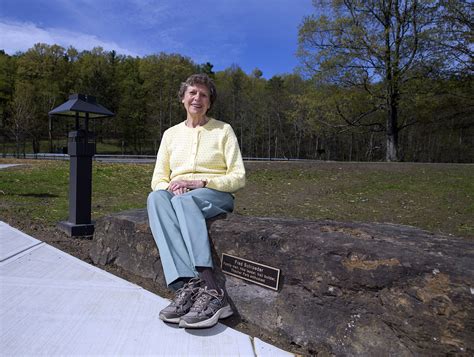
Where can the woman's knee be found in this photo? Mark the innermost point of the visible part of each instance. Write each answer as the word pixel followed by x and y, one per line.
pixel 158 196
pixel 177 199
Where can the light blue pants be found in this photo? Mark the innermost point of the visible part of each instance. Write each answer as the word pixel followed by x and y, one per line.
pixel 178 224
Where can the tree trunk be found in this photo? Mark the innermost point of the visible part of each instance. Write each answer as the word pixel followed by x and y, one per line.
pixel 36 146
pixel 50 134
pixel 351 145
pixel 241 133
pixel 276 147
pixel 269 139
pixel 391 82
pixel 392 134
pixel 17 141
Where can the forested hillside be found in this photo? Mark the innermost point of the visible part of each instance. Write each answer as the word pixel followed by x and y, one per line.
pixel 376 83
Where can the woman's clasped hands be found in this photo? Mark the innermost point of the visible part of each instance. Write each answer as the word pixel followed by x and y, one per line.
pixel 179 187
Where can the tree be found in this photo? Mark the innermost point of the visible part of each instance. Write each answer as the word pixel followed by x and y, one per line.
pixel 277 104
pixel 206 68
pixel 255 118
pixel 257 73
pixel 131 116
pixel 377 45
pixel 455 19
pixel 232 105
pixel 45 68
pixel 162 75
pixel 22 117
pixel 7 83
pixel 445 129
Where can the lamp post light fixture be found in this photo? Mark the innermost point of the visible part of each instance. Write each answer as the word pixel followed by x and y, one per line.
pixel 81 149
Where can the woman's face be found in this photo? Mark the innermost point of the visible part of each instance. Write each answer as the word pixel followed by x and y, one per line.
pixel 197 99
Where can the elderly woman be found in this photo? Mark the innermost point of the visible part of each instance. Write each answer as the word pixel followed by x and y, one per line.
pixel 198 167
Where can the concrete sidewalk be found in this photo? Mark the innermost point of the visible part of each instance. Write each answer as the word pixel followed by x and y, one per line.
pixel 54 304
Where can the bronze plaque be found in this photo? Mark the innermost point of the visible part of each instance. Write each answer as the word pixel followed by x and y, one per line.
pixel 257 273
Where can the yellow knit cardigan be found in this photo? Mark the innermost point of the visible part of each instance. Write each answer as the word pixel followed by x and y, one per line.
pixel 210 152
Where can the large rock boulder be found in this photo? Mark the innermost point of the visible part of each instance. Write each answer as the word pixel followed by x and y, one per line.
pixel 125 239
pixel 346 288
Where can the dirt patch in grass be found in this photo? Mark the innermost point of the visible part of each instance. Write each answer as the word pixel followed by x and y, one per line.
pixel 436 197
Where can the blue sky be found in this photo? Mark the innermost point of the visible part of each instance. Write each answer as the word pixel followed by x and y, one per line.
pixel 249 33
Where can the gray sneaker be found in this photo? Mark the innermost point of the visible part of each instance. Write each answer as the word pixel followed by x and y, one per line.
pixel 209 307
pixel 182 302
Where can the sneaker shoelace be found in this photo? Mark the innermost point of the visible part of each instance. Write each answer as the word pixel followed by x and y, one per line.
pixel 203 299
pixel 181 294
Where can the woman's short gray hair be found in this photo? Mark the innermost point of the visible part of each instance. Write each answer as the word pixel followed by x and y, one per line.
pixel 202 79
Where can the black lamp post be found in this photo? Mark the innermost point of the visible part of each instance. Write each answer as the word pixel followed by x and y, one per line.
pixel 81 148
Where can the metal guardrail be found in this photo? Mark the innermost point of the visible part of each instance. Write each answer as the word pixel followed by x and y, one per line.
pixel 44 156
pixel 126 158
pixel 98 157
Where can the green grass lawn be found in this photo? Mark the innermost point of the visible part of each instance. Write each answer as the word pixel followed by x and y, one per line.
pixel 437 197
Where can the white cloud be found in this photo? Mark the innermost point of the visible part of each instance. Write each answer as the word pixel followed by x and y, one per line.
pixel 149 13
pixel 20 36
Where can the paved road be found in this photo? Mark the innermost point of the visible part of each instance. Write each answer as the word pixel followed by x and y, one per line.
pixel 4 166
